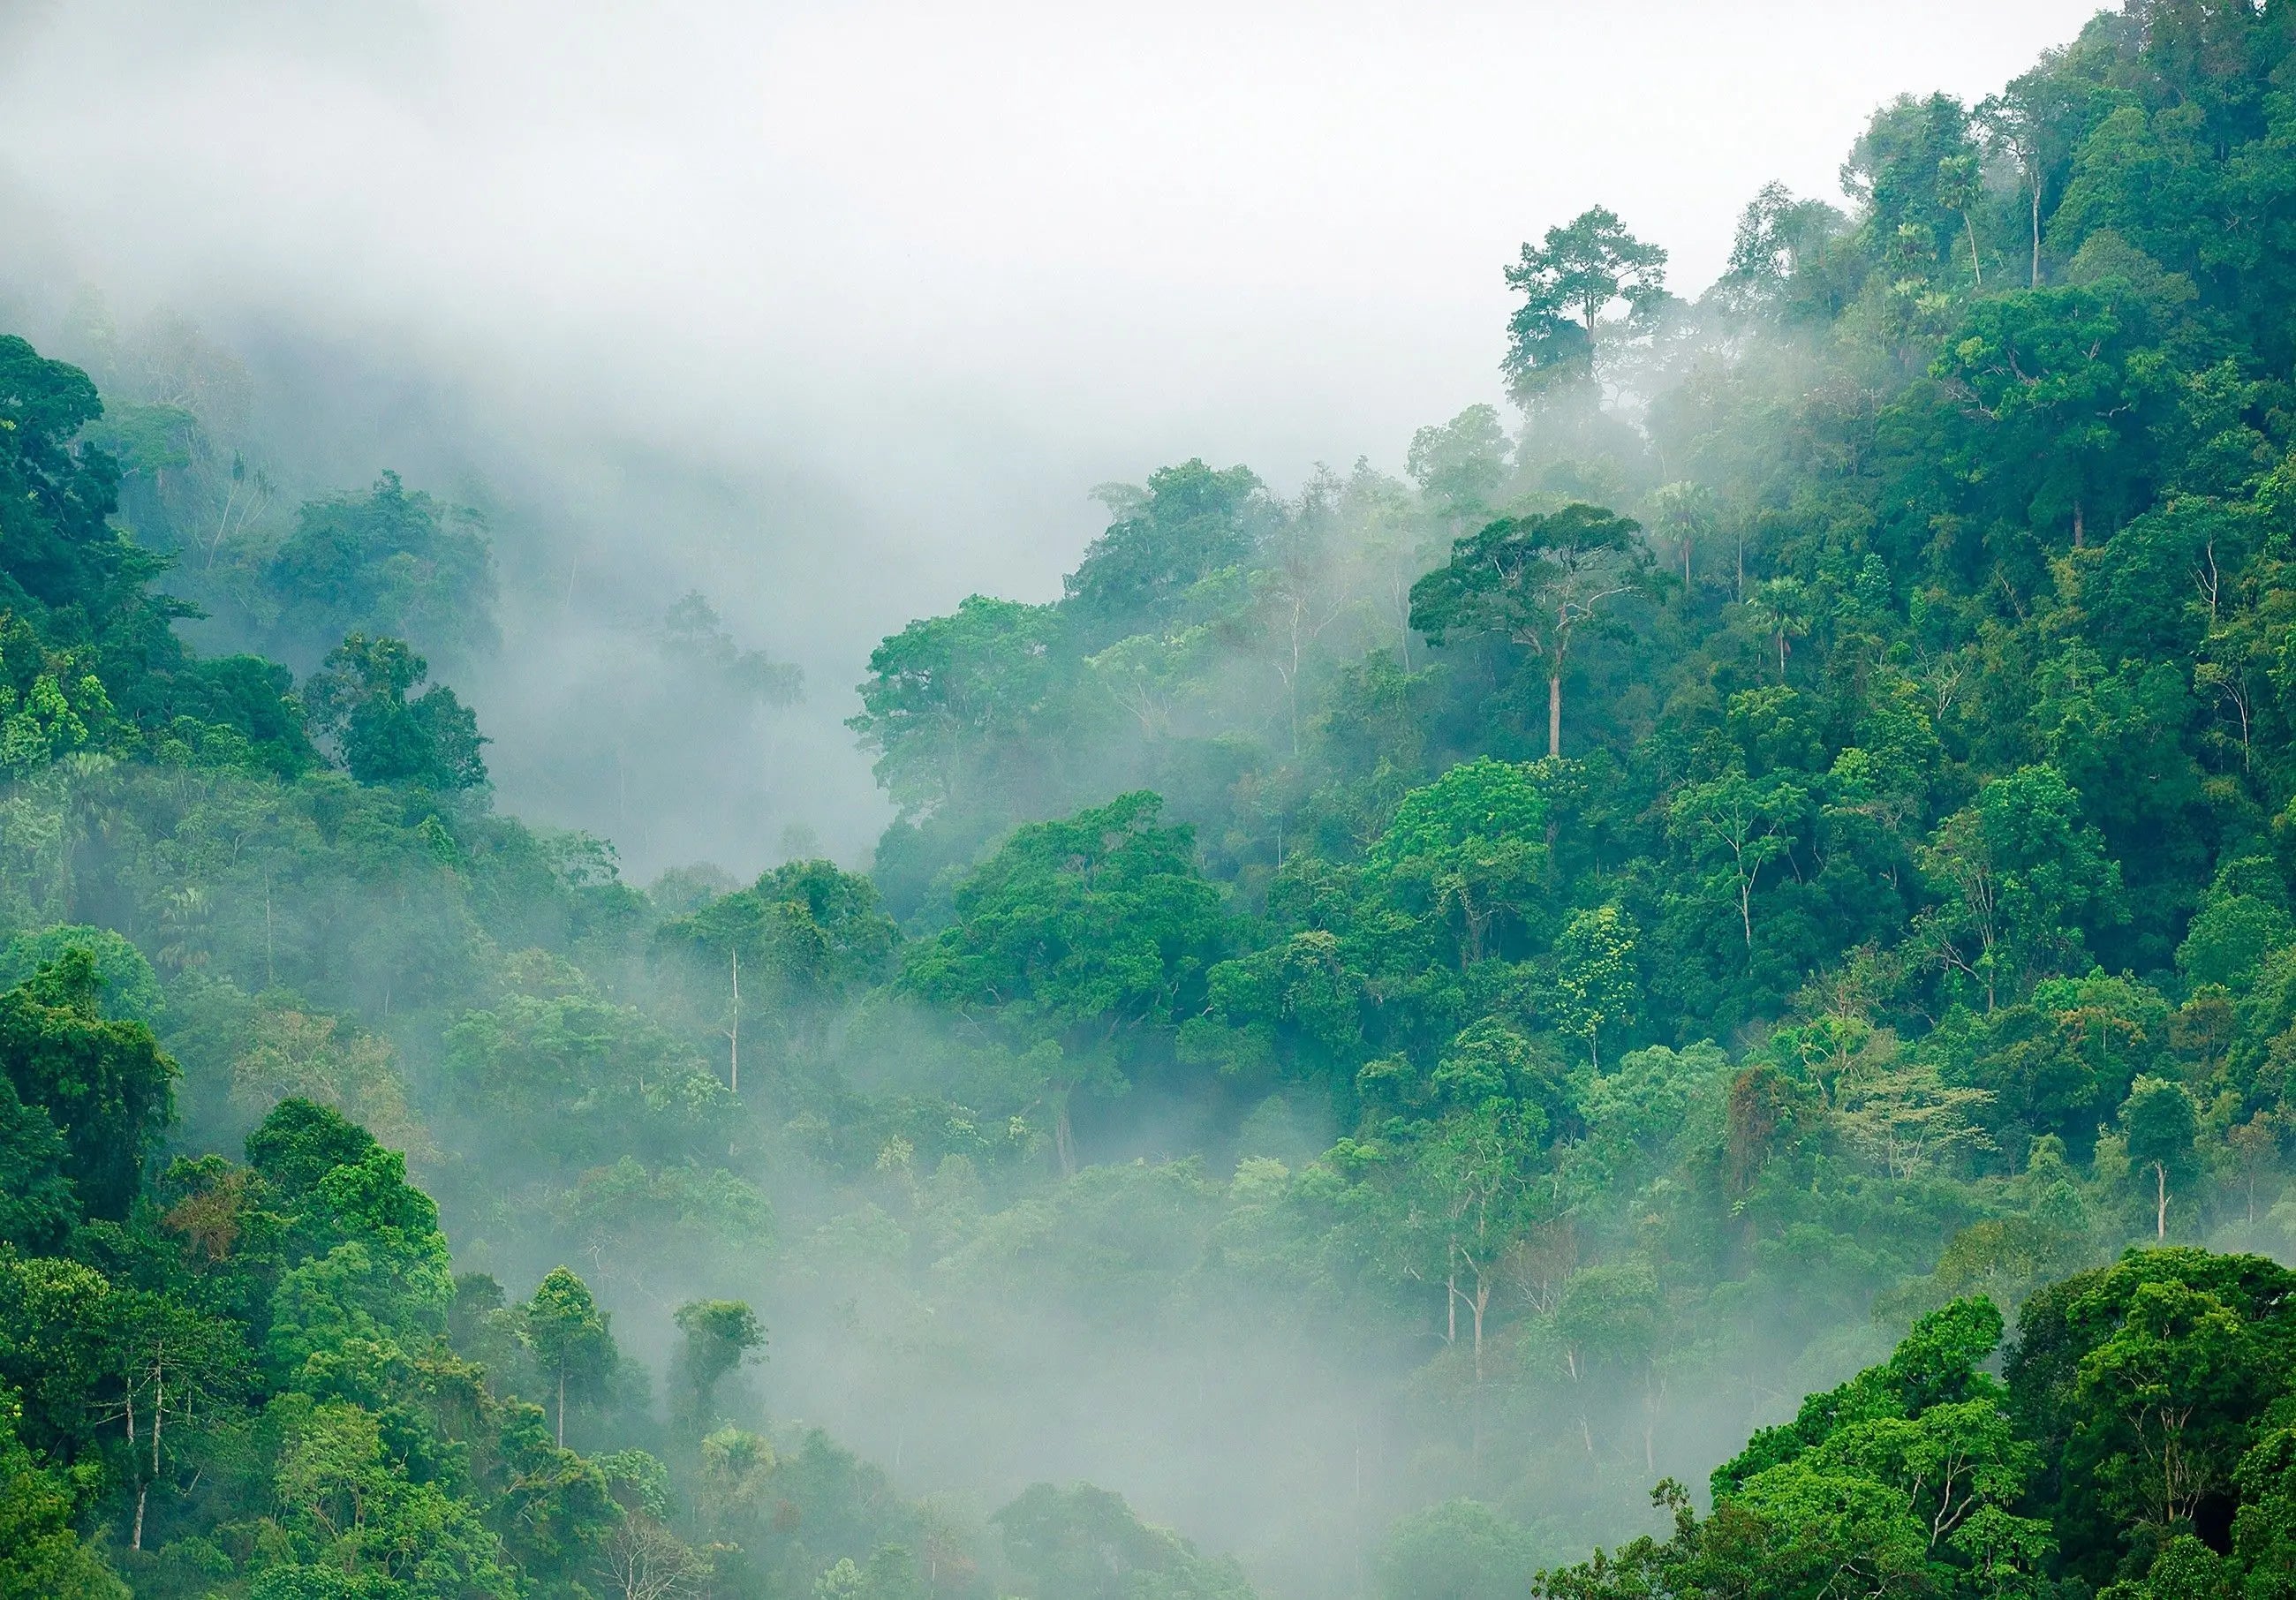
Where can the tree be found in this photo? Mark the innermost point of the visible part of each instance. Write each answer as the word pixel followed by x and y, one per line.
pixel 1780 608
pixel 1683 512
pixel 1075 931
pixel 1594 978
pixel 2022 874
pixel 1470 844
pixel 719 1335
pixel 1189 523
pixel 2020 122
pixel 58 493
pixel 1458 1550
pixel 294 1054
pixel 807 936
pixel 41 1557
pixel 1900 1482
pixel 2066 403
pixel 1911 1119
pixel 1743 824
pixel 37 1205
pixel 2177 1354
pixel 577 1080
pixel 359 700
pixel 645 1561
pixel 1569 284
pixel 694 634
pixel 1960 187
pixel 1778 240
pixel 1609 1316
pixel 173 1363
pixel 384 564
pixel 1906 170
pixel 569 1338
pixel 1537 581
pixel 300 1142
pixel 106 1087
pixel 1464 1194
pixel 2159 1126
pixel 1084 1543
pixel 952 704
pixel 1461 465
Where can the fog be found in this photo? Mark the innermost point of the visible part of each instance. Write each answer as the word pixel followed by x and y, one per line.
pixel 835 311
pixel 835 314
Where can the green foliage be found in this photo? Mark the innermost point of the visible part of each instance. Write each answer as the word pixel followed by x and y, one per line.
pixel 719 1336
pixel 1470 850
pixel 1237 976
pixel 950 701
pixel 1190 522
pixel 573 1080
pixel 106 1087
pixel 1459 1550
pixel 1462 465
pixel 385 564
pixel 2023 881
pixel 359 700
pixel 1085 1542
pixel 568 1336
pixel 1569 284
pixel 42 1558
pixel 128 988
pixel 1079 927
pixel 1540 582
pixel 87 658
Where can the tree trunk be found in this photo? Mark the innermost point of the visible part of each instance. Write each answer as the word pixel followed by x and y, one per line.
pixel 1976 267
pixel 562 1408
pixel 1482 1299
pixel 732 1038
pixel 1064 1139
pixel 2037 229
pixel 2077 528
pixel 1554 714
pixel 135 1539
pixel 2161 1191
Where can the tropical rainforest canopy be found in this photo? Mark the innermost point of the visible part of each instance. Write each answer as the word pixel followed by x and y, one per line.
pixel 1767 873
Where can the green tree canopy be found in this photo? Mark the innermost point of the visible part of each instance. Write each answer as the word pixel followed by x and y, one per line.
pixel 106 1087
pixel 361 699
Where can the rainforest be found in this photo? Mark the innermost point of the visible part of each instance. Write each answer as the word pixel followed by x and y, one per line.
pixel 1692 996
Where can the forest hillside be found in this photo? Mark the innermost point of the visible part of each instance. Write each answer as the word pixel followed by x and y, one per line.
pixel 1694 997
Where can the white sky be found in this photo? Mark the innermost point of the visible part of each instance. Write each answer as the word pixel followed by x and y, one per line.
pixel 1261 230
pixel 943 266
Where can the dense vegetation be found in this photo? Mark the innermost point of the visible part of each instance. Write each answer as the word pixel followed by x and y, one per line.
pixel 1483 986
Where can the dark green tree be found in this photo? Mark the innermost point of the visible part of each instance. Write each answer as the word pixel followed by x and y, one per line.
pixel 362 701
pixel 1569 283
pixel 388 563
pixel 1189 523
pixel 718 1336
pixel 105 1087
pixel 1541 582
pixel 569 1335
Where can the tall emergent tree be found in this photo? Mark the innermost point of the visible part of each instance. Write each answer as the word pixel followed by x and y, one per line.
pixel 1539 580
pixel 569 1338
pixel 1569 284
pixel 719 1335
